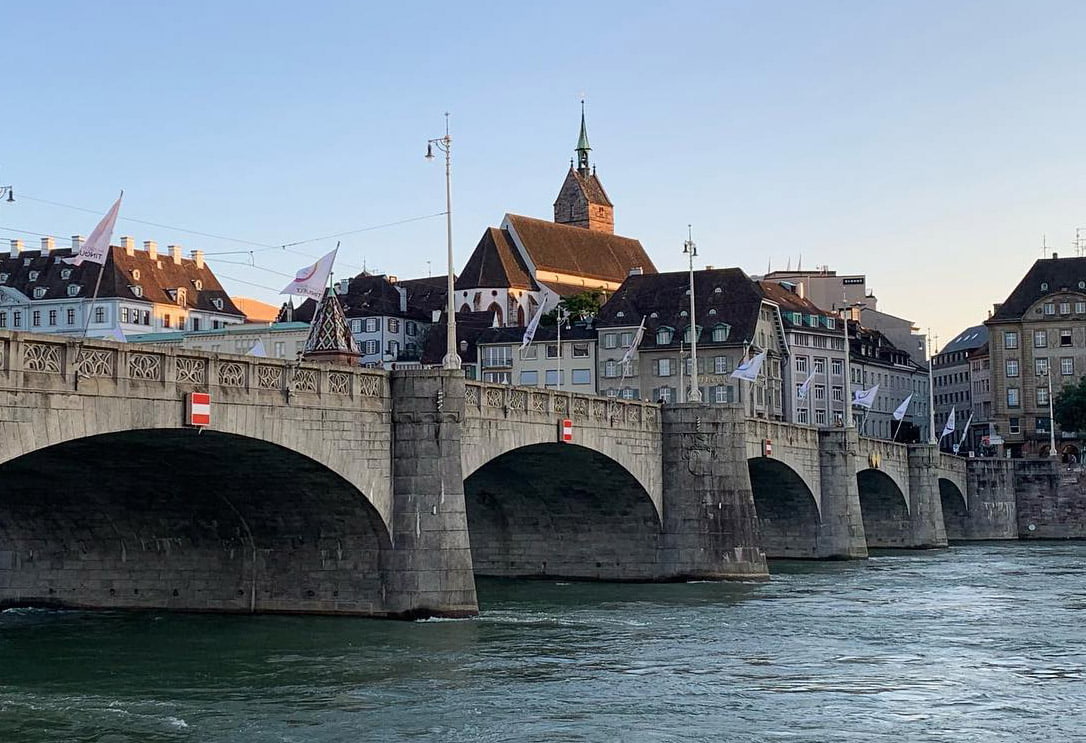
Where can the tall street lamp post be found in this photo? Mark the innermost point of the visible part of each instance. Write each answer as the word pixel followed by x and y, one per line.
pixel 692 251
pixel 452 358
pixel 1051 417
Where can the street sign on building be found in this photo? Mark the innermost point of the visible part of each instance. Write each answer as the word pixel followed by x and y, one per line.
pixel 198 409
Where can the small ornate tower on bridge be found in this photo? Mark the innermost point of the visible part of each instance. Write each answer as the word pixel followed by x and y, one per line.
pixel 330 340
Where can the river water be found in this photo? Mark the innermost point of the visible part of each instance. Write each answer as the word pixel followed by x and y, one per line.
pixel 976 643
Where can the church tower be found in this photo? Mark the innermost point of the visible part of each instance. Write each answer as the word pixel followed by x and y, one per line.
pixel 582 202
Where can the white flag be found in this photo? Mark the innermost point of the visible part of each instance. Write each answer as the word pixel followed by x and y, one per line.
pixel 96 247
pixel 965 430
pixel 949 427
pixel 865 398
pixel 116 335
pixel 258 349
pixel 903 408
pixel 529 332
pixel 748 370
pixel 312 280
pixel 636 342
pixel 805 388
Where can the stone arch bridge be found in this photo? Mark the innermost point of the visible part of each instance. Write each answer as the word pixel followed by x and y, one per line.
pixel 328 489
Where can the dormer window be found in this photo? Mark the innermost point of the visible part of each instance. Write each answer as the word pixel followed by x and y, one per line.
pixel 620 314
pixel 695 329
pixel 66 274
pixel 718 290
pixel 1044 286
pixel 684 313
pixel 654 314
pixel 73 290
pixel 217 302
pixel 137 290
pixel 712 311
pixel 3 277
pixel 135 274
pixel 33 276
pixel 199 285
pixel 182 296
pixel 26 262
pixel 721 332
pixel 663 336
pixel 39 292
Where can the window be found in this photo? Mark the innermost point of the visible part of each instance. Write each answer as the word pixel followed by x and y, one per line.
pixel 165 321
pixel 33 276
pixel 612 393
pixel 837 366
pixel 1040 367
pixel 138 291
pixel 1042 424
pixel 801 364
pixel 497 356
pixel 610 369
pixel 663 336
pixel 39 292
pixel 35 318
pixel 371 324
pixel 1040 339
pixel 502 377
pixel 722 394
pixel 182 296
pixel 70 316
pixel 1065 308
pixel 696 329
pixel 394 349
pixel 1080 308
pixel 356 326
pixel 629 393
pixel 581 376
pixel 17 319
pixel 1012 397
pixel 73 290
pixel 529 378
pixel 820 392
pixel 3 277
pixel 393 325
pixel 530 352
pixel 1042 396
pixel 1067 366
pixel 147 318
pixel 663 394
pixel 195 323
pixel 216 302
pixel 280 349
pixel 1050 308
pixel 626 339
pixel 1014 425
pixel 552 350
pixel 663 367
pixel 1065 338
pixel 412 327
pixel 720 365
pixel 124 314
pixel 1012 367
pixel 100 314
pixel 552 377
pixel 371 347
pixel 1010 339
pixel 721 333
pixel 610 340
pixel 820 366
pixel 3 319
pixel 838 394
pixel 136 275
pixel 820 417
pixel 580 351
pixel 803 416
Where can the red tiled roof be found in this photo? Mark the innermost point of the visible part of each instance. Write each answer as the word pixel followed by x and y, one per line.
pixel 577 251
pixel 496 263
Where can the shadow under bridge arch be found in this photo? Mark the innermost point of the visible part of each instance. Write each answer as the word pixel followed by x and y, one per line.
pixel 560 510
pixel 885 509
pixel 172 519
pixel 788 518
pixel 955 509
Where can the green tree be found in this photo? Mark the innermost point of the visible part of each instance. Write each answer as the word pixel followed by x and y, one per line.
pixel 578 306
pixel 1069 407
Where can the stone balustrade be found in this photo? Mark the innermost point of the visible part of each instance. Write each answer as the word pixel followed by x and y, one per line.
pixel 483 398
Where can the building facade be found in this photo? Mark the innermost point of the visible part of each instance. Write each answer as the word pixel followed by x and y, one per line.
pixel 139 291
pixel 874 360
pixel 284 340
pixel 568 364
pixel 1037 346
pixel 952 378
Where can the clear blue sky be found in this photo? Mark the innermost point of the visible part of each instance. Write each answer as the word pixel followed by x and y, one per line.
pixel 926 144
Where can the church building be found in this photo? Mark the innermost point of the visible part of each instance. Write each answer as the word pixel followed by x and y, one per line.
pixel 527 261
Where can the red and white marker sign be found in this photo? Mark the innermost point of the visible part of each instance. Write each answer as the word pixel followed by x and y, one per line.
pixel 199 409
pixel 767 448
pixel 566 436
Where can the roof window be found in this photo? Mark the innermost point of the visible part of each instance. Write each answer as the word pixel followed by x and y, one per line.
pixel 66 274
pixel 135 274
pixel 1044 286
pixel 39 292
pixel 33 276
pixel 73 290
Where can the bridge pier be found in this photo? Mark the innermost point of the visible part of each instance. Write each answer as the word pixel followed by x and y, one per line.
pixel 925 503
pixel 991 508
pixel 841 530
pixel 709 521
pixel 430 569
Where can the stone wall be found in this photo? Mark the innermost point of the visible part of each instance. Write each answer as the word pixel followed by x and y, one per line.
pixel 992 511
pixel 1050 500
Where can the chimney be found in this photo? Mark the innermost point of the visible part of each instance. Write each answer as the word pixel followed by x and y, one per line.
pixel 198 258
pixel 77 243
pixel 403 298
pixel 129 245
pixel 16 248
pixel 152 249
pixel 636 271
pixel 1055 256
pixel 48 244
pixel 175 253
pixel 801 290
pixel 710 268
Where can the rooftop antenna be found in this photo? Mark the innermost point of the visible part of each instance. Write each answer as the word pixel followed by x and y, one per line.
pixel 428 269
pixel 1044 245
pixel 1080 243
pixel 799 266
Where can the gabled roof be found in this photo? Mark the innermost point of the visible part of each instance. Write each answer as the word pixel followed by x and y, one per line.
pixel 496 263
pixel 789 301
pixel 544 333
pixel 590 186
pixel 426 295
pixel 559 248
pixel 368 295
pixel 158 278
pixel 1057 274
pixel 662 299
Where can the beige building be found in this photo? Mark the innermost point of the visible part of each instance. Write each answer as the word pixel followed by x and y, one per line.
pixel 284 340
pixel 544 362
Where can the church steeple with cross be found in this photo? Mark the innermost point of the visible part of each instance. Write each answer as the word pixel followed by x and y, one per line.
pixel 582 202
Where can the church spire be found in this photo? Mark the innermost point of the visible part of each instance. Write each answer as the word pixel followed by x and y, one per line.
pixel 582 146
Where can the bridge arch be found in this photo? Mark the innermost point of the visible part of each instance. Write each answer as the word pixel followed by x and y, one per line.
pixel 788 513
pixel 884 507
pixel 955 509
pixel 560 510
pixel 172 518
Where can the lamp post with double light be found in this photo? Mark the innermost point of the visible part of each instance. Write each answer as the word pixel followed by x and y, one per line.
pixel 1051 415
pixel 444 144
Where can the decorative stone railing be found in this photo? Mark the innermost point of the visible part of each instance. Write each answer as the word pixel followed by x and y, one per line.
pixel 47 358
pixel 482 397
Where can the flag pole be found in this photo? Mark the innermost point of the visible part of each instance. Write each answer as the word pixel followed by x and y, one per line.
pixel 94 297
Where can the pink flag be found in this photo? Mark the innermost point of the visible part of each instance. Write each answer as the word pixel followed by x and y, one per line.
pixel 312 280
pixel 96 248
